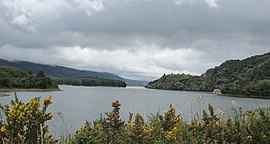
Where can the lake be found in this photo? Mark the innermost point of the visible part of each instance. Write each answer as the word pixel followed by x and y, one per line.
pixel 76 104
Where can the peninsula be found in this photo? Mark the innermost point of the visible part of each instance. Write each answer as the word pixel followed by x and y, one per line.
pixel 249 77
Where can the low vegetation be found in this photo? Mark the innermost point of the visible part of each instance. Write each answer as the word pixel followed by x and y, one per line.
pixel 26 123
pixel 249 77
pixel 252 127
pixel 13 78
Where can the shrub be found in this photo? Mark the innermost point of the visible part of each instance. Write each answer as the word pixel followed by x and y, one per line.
pixel 25 122
pixel 252 126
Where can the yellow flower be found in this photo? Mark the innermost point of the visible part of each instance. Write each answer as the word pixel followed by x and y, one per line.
pixel 22 106
pixel 2 129
pixel 249 137
pixel 25 109
pixel 6 107
pixel 145 127
pixel 116 104
pixel 48 101
pixel 34 103
pixel 83 128
pixel 264 136
pixel 20 136
pixel 174 129
pixel 170 136
pixel 176 119
pixel 98 126
pixel 50 114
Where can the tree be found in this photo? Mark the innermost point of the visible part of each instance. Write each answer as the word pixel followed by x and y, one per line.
pixel 42 80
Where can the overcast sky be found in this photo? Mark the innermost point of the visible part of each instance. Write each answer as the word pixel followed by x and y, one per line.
pixel 137 39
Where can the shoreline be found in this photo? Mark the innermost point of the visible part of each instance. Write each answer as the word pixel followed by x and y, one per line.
pixel 245 96
pixel 3 94
pixel 28 90
pixel 225 95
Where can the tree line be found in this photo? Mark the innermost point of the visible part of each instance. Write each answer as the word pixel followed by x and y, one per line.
pixel 90 81
pixel 17 78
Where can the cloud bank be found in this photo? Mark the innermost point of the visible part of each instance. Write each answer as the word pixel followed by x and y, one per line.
pixel 139 39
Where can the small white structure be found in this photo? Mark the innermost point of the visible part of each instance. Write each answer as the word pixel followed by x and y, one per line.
pixel 217 92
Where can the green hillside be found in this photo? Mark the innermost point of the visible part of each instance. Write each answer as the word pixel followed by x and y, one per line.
pixel 65 72
pixel 249 77
pixel 13 78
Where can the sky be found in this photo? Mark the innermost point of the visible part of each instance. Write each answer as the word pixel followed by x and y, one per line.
pixel 136 39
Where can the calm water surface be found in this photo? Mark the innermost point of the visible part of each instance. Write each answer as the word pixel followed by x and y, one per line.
pixel 74 105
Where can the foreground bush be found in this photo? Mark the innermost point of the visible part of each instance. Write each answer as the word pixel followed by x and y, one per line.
pixel 25 123
pixel 251 127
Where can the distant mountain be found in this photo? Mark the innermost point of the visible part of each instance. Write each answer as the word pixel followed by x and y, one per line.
pixel 65 72
pixel 57 71
pixel 250 77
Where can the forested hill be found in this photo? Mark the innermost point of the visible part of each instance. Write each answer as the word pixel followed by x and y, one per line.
pixel 64 72
pixel 57 71
pixel 250 77
pixel 251 69
pixel 16 78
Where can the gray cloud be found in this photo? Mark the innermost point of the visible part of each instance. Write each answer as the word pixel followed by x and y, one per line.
pixel 185 35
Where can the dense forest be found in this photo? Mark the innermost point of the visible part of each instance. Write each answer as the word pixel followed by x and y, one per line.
pixel 179 82
pixel 249 77
pixel 17 78
pixel 90 81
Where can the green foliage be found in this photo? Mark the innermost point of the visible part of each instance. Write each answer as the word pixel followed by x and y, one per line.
pixel 108 130
pixel 181 82
pixel 42 80
pixel 89 135
pixel 138 131
pixel 16 78
pixel 25 123
pixel 113 126
pixel 90 81
pixel 250 127
pixel 249 77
